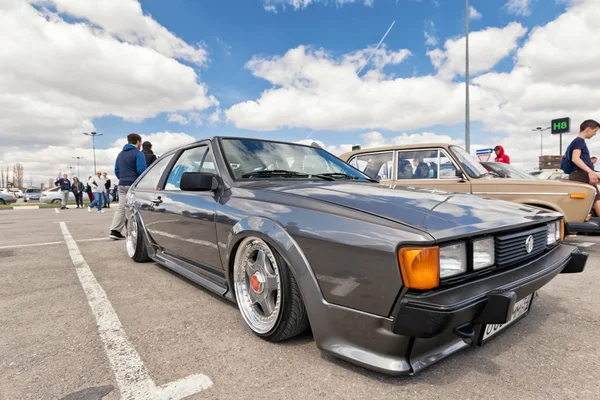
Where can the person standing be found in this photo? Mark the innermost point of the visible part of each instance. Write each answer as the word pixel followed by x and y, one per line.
pixel 501 157
pixel 65 188
pixel 88 189
pixel 107 191
pixel 581 167
pixel 130 164
pixel 148 153
pixel 97 184
pixel 77 188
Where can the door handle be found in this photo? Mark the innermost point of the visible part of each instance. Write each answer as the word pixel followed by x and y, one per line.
pixel 158 200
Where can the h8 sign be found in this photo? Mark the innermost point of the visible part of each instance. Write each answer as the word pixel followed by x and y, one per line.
pixel 561 125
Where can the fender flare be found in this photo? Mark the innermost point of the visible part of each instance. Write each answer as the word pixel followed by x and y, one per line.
pixel 276 236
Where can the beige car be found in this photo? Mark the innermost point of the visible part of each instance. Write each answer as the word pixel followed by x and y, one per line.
pixel 451 168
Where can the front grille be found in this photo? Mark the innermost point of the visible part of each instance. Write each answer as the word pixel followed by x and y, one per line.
pixel 511 249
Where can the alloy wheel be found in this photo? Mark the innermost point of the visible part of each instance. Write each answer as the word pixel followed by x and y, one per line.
pixel 257 285
pixel 132 237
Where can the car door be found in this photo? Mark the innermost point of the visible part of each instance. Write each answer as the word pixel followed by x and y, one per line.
pixel 429 168
pixel 184 222
pixel 146 192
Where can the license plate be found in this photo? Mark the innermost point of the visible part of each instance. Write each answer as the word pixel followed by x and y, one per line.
pixel 520 309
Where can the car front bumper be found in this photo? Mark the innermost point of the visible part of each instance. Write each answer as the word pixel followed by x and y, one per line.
pixel 427 327
pixel 582 227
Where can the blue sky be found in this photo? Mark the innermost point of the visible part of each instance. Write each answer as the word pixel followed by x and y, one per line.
pixel 233 31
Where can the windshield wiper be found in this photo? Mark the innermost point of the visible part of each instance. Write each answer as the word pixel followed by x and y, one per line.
pixel 283 174
pixel 343 175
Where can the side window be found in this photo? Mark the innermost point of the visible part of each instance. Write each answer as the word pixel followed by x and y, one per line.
pixel 376 165
pixel 447 168
pixel 425 164
pixel 198 159
pixel 152 178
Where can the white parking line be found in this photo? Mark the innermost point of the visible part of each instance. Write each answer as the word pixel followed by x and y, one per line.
pixel 56 211
pixel 584 244
pixel 130 371
pixel 16 246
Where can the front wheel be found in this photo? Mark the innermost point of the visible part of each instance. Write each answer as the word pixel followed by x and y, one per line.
pixel 2 202
pixel 134 241
pixel 267 293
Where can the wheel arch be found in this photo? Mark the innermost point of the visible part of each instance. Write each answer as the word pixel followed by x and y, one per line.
pixel 279 239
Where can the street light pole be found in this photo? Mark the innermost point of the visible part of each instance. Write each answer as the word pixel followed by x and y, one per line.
pixel 93 135
pixel 78 173
pixel 467 103
pixel 540 129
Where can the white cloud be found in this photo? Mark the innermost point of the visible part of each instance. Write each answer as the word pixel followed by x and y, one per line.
pixel 57 75
pixel 430 38
pixel 519 7
pixel 125 20
pixel 178 118
pixel 44 163
pixel 473 13
pixel 273 5
pixel 486 47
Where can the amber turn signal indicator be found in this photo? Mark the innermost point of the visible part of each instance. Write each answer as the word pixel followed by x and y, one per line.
pixel 420 267
pixel 562 229
pixel 577 195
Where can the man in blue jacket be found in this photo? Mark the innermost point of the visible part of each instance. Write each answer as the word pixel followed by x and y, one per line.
pixel 129 165
pixel 65 188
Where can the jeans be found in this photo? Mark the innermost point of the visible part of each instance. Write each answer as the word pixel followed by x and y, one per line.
pixel 79 199
pixel 64 194
pixel 118 222
pixel 97 200
pixel 106 196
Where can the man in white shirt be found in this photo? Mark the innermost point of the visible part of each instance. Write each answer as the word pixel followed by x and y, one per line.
pixel 98 187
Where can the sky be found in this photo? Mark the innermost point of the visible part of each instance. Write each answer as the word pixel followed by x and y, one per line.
pixel 339 72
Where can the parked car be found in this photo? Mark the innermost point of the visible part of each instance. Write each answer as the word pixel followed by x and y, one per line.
pixel 451 168
pixel 54 196
pixel 506 171
pixel 32 194
pixel 6 198
pixel 390 279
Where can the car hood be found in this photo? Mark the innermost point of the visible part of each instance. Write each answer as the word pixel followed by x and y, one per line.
pixel 441 214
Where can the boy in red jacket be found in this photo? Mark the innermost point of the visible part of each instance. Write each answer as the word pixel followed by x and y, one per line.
pixel 500 156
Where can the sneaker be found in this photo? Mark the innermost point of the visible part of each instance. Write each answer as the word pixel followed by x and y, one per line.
pixel 116 235
pixel 101 211
pixel 89 209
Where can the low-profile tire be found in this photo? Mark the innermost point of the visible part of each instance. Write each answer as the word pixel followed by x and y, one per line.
pixel 266 292
pixel 55 201
pixel 134 241
pixel 2 202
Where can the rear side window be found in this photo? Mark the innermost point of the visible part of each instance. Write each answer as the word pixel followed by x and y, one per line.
pixel 151 179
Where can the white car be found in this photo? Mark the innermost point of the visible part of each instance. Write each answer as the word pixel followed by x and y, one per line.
pixel 54 196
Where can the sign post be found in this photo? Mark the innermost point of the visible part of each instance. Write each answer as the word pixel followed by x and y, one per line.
pixel 560 126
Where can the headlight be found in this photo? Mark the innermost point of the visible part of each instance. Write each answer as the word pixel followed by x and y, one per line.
pixel 483 253
pixel 554 232
pixel 453 260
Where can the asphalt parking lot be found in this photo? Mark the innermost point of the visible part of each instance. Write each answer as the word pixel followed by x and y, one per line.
pixel 159 333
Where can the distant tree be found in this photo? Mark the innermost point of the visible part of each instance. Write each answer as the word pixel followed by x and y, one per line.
pixel 18 175
pixel 2 177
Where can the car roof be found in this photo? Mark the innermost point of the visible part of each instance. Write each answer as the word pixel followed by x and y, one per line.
pixel 396 147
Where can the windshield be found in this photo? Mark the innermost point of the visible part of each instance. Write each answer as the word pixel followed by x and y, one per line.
pixel 507 171
pixel 247 158
pixel 470 164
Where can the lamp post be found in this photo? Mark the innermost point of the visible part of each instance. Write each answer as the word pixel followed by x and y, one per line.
pixel 467 103
pixel 93 135
pixel 540 129
pixel 78 158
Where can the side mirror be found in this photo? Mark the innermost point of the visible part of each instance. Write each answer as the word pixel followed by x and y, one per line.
pixel 198 182
pixel 460 175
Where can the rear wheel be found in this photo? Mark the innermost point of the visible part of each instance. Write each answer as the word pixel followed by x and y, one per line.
pixel 134 241
pixel 267 293
pixel 2 202
pixel 55 201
